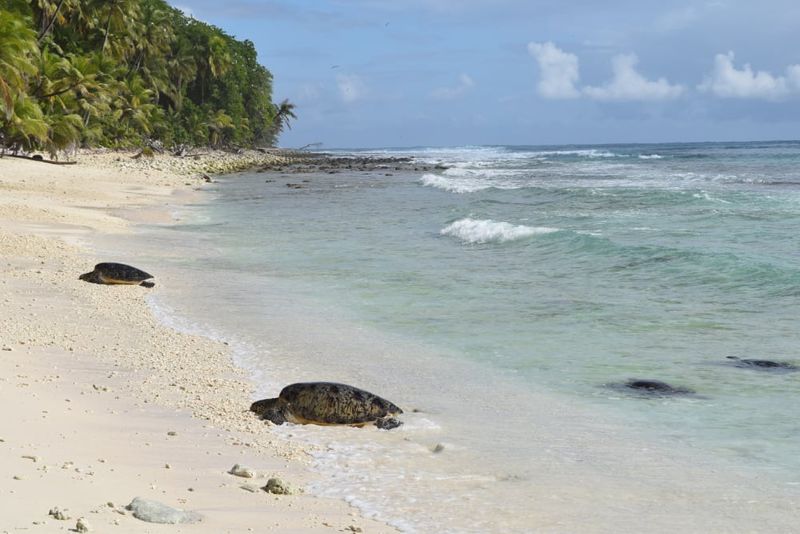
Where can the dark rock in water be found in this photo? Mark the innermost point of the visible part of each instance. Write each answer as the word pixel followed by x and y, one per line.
pixel 653 388
pixel 768 365
pixel 155 512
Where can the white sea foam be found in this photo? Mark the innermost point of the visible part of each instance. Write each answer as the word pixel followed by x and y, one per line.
pixel 459 171
pixel 650 156
pixel 706 196
pixel 586 153
pixel 489 231
pixel 455 185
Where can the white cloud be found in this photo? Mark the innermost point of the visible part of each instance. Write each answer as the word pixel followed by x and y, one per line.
pixel 559 70
pixel 465 83
pixel 351 87
pixel 727 81
pixel 628 84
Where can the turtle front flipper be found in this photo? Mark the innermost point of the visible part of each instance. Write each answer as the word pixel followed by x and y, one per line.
pixel 388 423
pixel 273 410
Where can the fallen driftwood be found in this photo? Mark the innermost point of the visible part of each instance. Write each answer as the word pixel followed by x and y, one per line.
pixel 39 158
pixel 143 153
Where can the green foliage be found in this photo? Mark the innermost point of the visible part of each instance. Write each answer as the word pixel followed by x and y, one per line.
pixel 27 126
pixel 125 72
pixel 17 46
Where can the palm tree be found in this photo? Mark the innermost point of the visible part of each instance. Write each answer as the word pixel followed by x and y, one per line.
pixel 27 125
pixel 135 108
pixel 120 17
pixel 56 75
pixel 219 124
pixel 63 131
pixel 17 44
pixel 153 44
pixel 219 57
pixel 48 13
pixel 182 71
pixel 111 72
pixel 283 112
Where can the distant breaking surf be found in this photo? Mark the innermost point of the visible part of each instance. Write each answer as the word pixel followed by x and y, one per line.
pixel 489 231
pixel 464 185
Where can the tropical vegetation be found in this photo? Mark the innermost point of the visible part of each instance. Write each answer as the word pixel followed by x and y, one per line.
pixel 124 73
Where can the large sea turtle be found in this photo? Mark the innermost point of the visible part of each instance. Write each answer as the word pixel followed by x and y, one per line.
pixel 117 273
pixel 328 403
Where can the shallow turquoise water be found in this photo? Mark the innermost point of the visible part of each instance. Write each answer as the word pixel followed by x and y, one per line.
pixel 547 269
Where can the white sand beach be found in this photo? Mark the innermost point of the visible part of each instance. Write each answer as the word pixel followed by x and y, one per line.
pixel 101 403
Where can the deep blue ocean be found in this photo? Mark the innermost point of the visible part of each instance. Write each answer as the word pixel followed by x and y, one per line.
pixel 500 296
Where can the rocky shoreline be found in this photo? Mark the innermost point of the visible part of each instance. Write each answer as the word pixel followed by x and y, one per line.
pixel 298 162
pixel 189 165
pixel 204 162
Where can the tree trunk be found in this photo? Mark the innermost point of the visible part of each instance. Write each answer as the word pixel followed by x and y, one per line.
pixel 46 30
pixel 108 28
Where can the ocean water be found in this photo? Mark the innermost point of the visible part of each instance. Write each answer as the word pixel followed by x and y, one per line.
pixel 495 301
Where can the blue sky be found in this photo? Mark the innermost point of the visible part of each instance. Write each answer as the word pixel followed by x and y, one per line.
pixel 371 73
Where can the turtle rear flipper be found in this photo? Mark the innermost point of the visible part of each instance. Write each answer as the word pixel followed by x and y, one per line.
pixel 148 284
pixel 388 423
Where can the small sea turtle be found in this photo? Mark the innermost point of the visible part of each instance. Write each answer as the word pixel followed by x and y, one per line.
pixel 117 273
pixel 768 365
pixel 654 388
pixel 328 403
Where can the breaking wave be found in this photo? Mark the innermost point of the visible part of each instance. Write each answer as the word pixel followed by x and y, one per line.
pixel 488 231
pixel 455 185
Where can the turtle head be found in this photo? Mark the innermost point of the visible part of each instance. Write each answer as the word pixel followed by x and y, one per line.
pixel 270 409
pixel 89 277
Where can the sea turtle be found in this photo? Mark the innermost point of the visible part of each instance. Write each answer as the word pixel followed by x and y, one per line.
pixel 328 403
pixel 655 388
pixel 769 365
pixel 117 273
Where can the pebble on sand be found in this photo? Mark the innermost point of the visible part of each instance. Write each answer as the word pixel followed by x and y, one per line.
pixel 58 513
pixel 82 525
pixel 156 512
pixel 277 486
pixel 242 471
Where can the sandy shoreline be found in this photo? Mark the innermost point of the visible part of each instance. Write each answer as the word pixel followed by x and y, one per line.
pixel 99 396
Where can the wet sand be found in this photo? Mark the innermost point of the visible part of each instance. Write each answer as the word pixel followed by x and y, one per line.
pixel 102 403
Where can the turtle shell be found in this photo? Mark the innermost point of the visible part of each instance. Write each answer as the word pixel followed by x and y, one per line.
pixel 335 404
pixel 119 273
